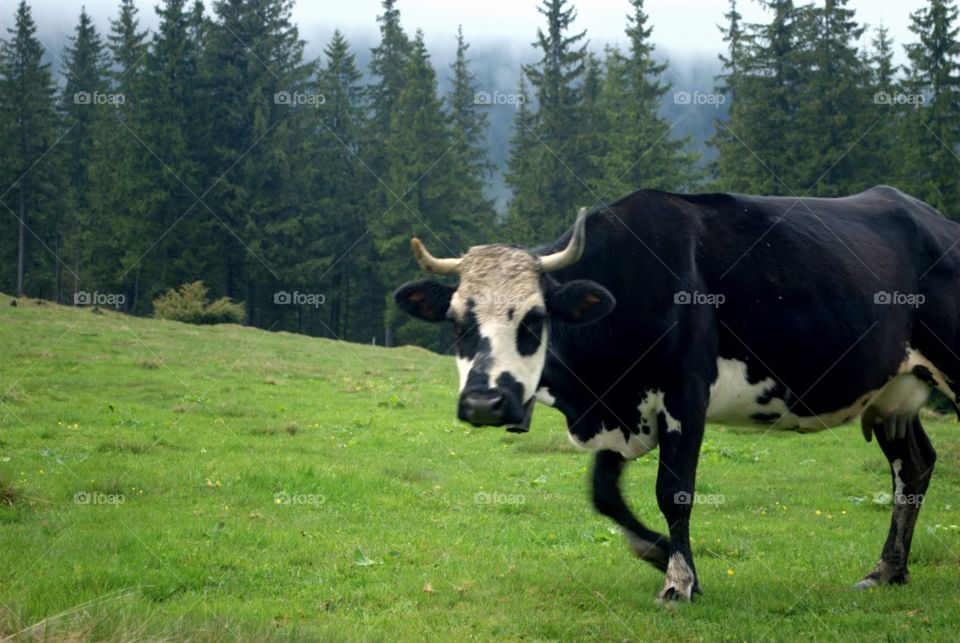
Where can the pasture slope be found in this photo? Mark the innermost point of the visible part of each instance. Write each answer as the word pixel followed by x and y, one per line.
pixel 165 481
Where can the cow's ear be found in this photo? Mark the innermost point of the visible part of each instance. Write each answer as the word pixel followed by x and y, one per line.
pixel 580 302
pixel 427 299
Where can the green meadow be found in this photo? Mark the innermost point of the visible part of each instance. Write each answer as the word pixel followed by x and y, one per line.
pixel 160 481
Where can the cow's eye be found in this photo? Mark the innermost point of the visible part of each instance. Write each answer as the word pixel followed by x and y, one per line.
pixel 468 337
pixel 530 332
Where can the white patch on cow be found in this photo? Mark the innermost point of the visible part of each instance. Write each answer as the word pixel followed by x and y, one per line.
pixel 463 370
pixel 545 397
pixel 634 446
pixel 650 406
pixel 734 400
pixel 897 466
pixel 636 442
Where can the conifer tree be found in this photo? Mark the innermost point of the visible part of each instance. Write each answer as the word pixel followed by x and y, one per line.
pixel 344 209
pixel 85 103
pixel 637 150
pixel 30 129
pixel 261 108
pixel 725 167
pixel 880 163
pixel 551 188
pixel 425 183
pixel 469 130
pixel 119 188
pixel 933 127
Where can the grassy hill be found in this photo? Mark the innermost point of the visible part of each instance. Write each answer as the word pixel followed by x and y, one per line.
pixel 159 480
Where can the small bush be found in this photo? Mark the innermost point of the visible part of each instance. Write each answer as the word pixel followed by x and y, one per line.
pixel 190 304
pixel 224 311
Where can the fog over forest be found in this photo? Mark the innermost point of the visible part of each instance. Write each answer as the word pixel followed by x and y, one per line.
pixel 497 64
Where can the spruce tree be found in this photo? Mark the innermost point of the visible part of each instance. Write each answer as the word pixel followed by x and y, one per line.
pixel 880 162
pixel 260 111
pixel 832 115
pixel 343 246
pixel 388 65
pixel 425 184
pixel 469 130
pixel 85 103
pixel 637 150
pixel 726 168
pixel 119 188
pixel 521 177
pixel 552 186
pixel 28 168
pixel 174 146
pixel 127 43
pixel 933 128
pixel 757 148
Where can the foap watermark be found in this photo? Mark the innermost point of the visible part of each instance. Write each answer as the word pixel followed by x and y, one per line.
pixel 97 98
pixel 299 98
pixel 913 499
pixel 97 498
pixel 497 498
pixel 498 299
pixel 684 298
pixel 687 498
pixel 699 98
pixel 896 298
pixel 308 499
pixel 84 298
pixel 497 98
pixel 898 98
pixel 297 298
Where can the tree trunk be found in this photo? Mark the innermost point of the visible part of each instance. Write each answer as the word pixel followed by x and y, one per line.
pixel 22 245
pixel 136 290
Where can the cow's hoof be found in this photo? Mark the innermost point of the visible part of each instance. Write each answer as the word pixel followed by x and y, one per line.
pixel 883 574
pixel 867 583
pixel 681 582
pixel 675 594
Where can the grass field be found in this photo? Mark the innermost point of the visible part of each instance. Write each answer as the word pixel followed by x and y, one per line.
pixel 159 480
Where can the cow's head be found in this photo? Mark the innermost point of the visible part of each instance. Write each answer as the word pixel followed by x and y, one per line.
pixel 501 311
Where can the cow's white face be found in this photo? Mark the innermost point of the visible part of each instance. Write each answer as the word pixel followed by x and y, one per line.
pixel 499 314
pixel 502 310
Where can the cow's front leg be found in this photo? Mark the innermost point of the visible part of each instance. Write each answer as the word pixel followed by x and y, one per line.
pixel 607 498
pixel 679 450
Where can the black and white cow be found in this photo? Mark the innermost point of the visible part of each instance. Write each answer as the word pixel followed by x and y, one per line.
pixel 662 312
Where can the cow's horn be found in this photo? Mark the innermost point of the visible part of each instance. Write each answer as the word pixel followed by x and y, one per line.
pixel 430 263
pixel 574 250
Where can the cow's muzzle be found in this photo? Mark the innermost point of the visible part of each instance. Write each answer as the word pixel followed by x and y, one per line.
pixel 483 408
pixel 495 407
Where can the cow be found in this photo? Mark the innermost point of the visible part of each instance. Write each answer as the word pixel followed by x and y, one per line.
pixel 661 312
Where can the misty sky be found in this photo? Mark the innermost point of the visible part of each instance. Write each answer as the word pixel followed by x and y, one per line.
pixel 681 27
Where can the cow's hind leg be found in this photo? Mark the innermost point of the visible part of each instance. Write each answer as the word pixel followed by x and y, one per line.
pixel 648 545
pixel 911 458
